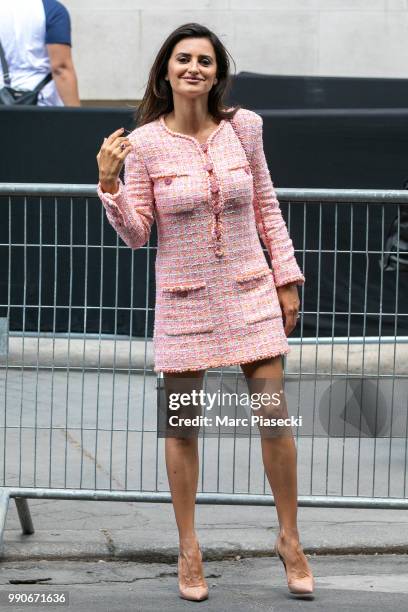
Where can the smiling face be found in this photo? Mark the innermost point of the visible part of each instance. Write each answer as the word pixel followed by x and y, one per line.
pixel 192 67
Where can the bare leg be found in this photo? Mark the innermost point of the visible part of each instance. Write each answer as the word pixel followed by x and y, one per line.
pixel 279 456
pixel 182 465
pixel 182 471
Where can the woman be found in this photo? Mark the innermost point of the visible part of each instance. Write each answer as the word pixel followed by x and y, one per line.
pixel 199 170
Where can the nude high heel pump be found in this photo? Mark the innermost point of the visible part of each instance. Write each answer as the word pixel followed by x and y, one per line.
pixel 297 586
pixel 192 584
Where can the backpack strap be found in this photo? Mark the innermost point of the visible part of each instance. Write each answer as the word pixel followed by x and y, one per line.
pixel 43 83
pixel 4 67
pixel 6 74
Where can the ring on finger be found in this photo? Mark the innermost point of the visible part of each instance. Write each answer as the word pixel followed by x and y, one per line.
pixel 123 145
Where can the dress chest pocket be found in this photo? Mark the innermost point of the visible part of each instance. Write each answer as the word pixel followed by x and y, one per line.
pixel 239 182
pixel 173 191
pixel 258 296
pixel 186 309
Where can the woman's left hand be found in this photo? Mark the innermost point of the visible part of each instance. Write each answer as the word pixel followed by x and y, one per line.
pixel 289 301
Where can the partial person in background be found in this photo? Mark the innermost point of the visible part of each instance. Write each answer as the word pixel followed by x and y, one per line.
pixel 36 39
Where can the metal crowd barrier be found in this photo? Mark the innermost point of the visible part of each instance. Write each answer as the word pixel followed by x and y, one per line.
pixel 78 418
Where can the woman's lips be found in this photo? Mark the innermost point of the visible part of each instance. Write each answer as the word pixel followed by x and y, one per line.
pixel 192 79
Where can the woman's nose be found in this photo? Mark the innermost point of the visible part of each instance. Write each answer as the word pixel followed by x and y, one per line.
pixel 193 67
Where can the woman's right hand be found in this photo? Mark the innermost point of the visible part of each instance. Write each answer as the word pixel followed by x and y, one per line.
pixel 111 158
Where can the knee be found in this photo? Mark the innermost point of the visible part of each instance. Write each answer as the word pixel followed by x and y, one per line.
pixel 183 441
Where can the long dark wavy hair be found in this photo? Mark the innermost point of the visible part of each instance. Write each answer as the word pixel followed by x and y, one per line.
pixel 158 97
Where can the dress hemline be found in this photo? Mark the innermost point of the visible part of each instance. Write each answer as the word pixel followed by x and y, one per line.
pixel 220 364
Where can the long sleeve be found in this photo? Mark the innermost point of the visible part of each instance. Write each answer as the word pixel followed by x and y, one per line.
pixel 270 223
pixel 130 210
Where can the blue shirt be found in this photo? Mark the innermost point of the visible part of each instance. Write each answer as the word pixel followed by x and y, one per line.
pixel 57 23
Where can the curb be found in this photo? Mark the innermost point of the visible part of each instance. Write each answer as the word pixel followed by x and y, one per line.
pixel 209 554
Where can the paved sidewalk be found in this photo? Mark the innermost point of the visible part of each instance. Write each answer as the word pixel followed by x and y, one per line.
pixel 361 583
pixel 147 531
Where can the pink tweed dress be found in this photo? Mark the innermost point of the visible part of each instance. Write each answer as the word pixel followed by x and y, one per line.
pixel 216 298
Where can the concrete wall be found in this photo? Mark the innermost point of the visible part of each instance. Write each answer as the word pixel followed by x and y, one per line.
pixel 115 41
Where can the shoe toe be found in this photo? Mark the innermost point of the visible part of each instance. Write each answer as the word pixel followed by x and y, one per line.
pixel 301 586
pixel 196 593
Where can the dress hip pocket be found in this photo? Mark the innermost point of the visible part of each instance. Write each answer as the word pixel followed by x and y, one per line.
pixel 258 296
pixel 186 309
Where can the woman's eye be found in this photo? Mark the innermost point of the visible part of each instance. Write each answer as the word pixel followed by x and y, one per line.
pixel 206 61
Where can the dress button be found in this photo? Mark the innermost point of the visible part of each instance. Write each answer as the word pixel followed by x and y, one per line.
pixel 248 170
pixel 209 167
pixel 214 188
pixel 217 208
pixel 219 252
pixel 167 180
pixel 204 146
